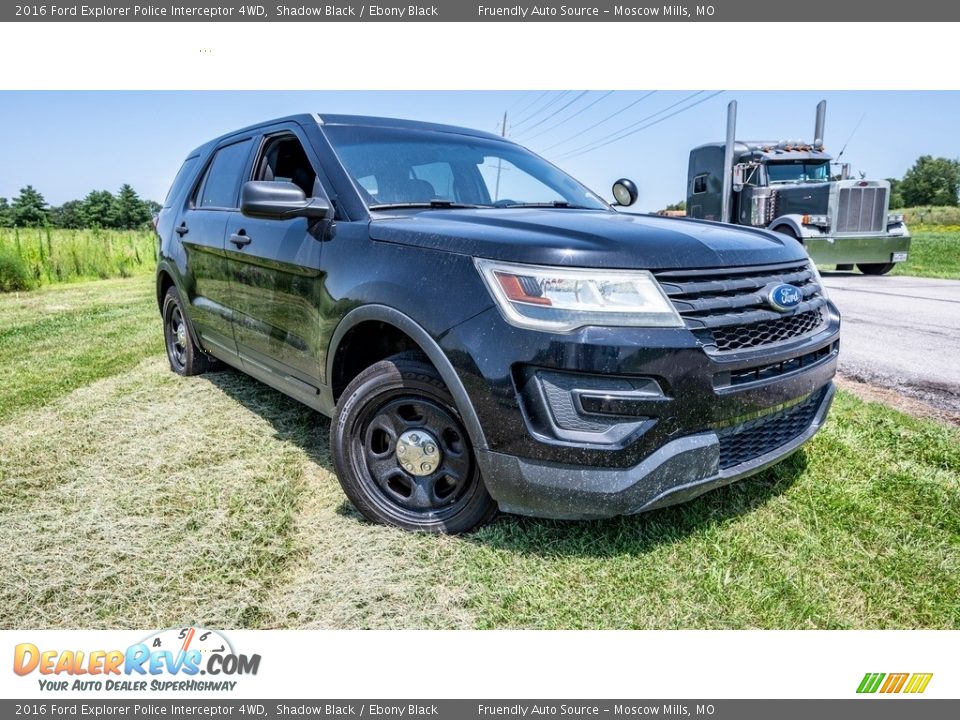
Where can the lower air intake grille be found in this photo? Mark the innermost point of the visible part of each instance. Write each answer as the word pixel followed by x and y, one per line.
pixel 742 443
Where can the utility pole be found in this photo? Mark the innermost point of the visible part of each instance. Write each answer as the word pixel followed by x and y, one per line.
pixel 503 133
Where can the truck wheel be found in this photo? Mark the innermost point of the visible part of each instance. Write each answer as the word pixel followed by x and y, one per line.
pixel 788 231
pixel 401 451
pixel 875 268
pixel 182 352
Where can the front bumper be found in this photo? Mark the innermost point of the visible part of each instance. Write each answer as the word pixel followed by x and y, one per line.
pixel 679 471
pixel 843 249
pixel 669 399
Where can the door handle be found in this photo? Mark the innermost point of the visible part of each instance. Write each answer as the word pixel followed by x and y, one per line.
pixel 240 239
pixel 182 230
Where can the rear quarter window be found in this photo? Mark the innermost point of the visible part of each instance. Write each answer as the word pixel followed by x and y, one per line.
pixel 183 176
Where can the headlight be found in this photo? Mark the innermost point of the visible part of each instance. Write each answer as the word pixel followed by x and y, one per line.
pixel 894 219
pixel 818 220
pixel 564 299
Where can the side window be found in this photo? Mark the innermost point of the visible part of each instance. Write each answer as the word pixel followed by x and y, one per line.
pixel 222 181
pixel 283 159
pixel 700 184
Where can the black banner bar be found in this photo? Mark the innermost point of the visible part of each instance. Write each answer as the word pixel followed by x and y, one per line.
pixel 817 11
pixel 868 708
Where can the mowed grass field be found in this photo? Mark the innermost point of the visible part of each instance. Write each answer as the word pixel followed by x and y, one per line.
pixel 130 497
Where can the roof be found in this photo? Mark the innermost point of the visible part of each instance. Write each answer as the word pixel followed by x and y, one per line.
pixel 358 120
pixel 774 149
pixel 371 121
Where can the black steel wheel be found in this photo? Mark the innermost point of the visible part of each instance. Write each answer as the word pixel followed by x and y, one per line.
pixel 184 355
pixel 402 453
pixel 875 268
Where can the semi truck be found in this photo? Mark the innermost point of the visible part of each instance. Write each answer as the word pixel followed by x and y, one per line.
pixel 795 188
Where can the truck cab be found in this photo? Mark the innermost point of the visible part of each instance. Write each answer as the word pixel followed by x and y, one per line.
pixel 796 189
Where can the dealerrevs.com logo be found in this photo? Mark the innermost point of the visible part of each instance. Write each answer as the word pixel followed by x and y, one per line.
pixel 178 659
pixel 891 683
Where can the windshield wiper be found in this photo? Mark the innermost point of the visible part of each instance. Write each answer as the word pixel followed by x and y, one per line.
pixel 552 204
pixel 442 204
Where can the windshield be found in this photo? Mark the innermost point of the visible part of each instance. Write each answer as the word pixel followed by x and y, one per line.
pixel 410 167
pixel 798 171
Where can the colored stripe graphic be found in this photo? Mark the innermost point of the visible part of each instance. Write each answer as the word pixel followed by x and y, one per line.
pixel 894 683
pixel 918 682
pixel 870 682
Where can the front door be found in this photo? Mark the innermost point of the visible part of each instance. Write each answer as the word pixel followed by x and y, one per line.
pixel 276 280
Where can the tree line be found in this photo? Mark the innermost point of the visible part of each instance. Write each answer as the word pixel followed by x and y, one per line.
pixel 99 209
pixel 931 181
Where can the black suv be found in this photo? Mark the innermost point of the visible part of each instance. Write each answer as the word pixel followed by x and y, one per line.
pixel 483 329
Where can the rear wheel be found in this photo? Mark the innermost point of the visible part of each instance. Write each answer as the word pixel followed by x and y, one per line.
pixel 875 268
pixel 185 357
pixel 402 453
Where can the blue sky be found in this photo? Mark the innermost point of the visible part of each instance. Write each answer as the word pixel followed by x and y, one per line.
pixel 68 143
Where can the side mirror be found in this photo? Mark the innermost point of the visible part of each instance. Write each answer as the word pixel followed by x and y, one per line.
pixel 739 176
pixel 625 192
pixel 280 201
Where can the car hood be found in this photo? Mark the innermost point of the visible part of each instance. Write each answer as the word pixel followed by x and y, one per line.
pixel 586 238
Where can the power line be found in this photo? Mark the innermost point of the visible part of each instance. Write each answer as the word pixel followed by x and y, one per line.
pixel 601 122
pixel 632 125
pixel 651 124
pixel 534 107
pixel 523 96
pixel 543 108
pixel 557 112
pixel 533 102
pixel 571 117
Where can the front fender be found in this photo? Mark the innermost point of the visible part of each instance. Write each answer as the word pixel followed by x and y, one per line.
pixel 430 348
pixel 795 223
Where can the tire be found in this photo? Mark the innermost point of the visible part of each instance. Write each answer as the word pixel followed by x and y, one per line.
pixel 185 357
pixel 400 405
pixel 788 231
pixel 875 268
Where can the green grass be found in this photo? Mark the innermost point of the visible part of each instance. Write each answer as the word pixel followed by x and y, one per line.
pixel 57 339
pixel 931 215
pixel 31 257
pixel 934 252
pixel 132 497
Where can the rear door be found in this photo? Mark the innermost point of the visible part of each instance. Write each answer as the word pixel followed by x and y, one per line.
pixel 276 280
pixel 202 226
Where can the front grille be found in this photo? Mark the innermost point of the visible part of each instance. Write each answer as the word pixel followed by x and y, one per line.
pixel 727 307
pixel 745 442
pixel 861 209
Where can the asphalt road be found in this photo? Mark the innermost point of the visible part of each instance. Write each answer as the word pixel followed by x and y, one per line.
pixel 901 334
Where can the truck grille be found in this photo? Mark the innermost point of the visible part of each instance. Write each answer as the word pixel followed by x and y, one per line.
pixel 742 443
pixel 727 308
pixel 861 209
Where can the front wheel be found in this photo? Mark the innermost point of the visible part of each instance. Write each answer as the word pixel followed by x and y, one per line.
pixel 875 268
pixel 401 451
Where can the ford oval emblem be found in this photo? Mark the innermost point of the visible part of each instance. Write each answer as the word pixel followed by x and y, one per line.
pixel 784 297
